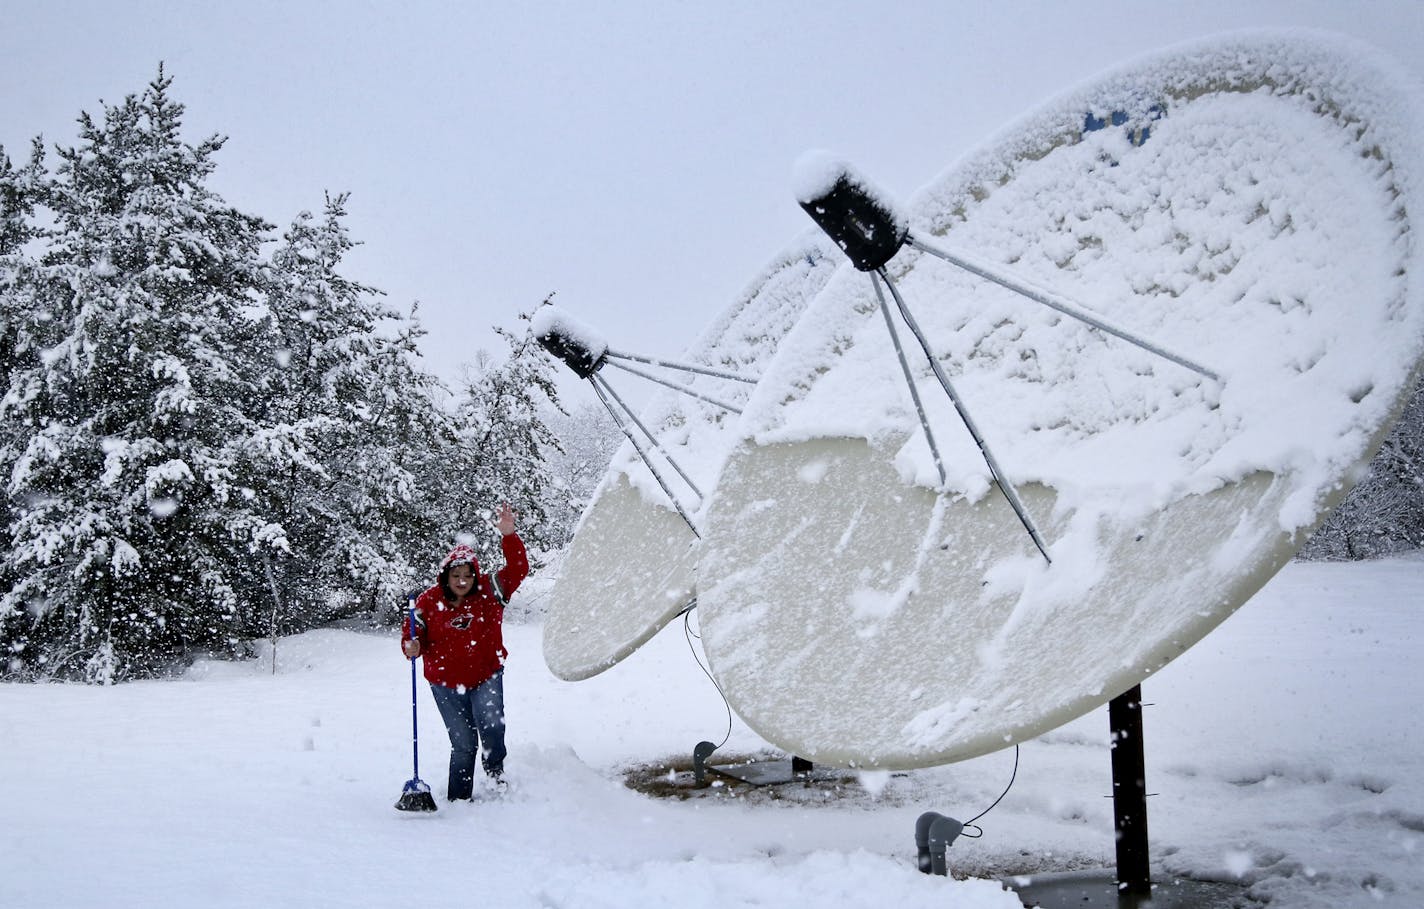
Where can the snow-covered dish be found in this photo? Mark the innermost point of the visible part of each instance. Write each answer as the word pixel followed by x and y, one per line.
pixel 1246 201
pixel 632 565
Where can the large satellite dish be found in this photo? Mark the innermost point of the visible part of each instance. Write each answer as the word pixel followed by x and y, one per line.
pixel 632 565
pixel 867 594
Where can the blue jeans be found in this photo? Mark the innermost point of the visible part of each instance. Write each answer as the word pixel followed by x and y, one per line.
pixel 472 716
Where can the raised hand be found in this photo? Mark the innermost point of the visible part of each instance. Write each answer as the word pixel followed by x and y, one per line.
pixel 504 520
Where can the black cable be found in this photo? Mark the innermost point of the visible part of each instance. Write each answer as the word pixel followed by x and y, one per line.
pixel 689 635
pixel 970 823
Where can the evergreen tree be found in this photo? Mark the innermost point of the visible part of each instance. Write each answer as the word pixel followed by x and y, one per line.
pixel 588 438
pixel 130 517
pixel 501 444
pixel 22 190
pixel 200 445
pixel 346 405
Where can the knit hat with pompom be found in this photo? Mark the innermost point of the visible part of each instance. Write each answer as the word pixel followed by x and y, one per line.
pixel 460 555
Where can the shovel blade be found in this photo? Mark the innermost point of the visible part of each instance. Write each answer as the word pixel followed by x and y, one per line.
pixel 416 797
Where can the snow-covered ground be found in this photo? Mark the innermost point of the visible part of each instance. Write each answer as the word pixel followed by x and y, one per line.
pixel 1286 751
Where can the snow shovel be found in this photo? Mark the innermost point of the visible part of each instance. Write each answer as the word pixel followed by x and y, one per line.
pixel 416 794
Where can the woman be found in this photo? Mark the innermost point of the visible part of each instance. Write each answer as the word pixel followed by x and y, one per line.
pixel 459 635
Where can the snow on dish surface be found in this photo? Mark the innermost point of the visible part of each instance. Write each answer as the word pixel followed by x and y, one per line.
pixel 1246 204
pixel 631 568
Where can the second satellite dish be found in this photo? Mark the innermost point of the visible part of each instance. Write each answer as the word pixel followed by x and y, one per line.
pixel 1246 202
pixel 632 565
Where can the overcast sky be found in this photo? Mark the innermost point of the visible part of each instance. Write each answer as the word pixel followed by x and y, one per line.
pixel 633 156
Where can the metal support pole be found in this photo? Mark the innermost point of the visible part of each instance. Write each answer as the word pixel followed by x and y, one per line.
pixel 676 386
pixel 910 381
pixel 637 446
pixel 1052 300
pixel 1129 773
pixel 1006 487
pixel 685 367
pixel 601 382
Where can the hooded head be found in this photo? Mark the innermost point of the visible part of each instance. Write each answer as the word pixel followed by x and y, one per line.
pixel 460 555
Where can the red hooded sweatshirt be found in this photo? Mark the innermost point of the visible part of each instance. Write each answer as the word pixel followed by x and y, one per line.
pixel 463 645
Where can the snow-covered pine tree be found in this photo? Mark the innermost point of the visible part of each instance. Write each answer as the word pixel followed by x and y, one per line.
pixel 345 405
pixel 21 191
pixel 186 426
pixel 129 518
pixel 588 439
pixel 502 438
pixel 409 431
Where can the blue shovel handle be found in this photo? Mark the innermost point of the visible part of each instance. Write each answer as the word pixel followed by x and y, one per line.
pixel 414 726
